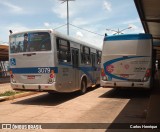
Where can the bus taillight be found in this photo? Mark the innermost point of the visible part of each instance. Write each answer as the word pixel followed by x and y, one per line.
pixel 148 73
pixel 10 72
pixel 52 74
pixel 12 76
pixel 51 77
pixel 104 77
pixel 102 72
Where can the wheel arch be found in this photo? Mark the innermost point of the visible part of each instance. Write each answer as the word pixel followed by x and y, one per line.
pixel 84 76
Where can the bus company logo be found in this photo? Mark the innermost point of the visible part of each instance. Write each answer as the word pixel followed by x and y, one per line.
pixel 6 126
pixel 126 66
pixel 13 61
pixel 140 69
pixel 110 68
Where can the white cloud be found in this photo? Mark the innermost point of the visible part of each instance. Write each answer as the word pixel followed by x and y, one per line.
pixel 107 6
pixel 54 25
pixel 80 21
pixel 12 7
pixel 82 35
pixel 92 39
pixel 46 24
pixel 76 8
pixel 133 23
pixel 62 13
pixel 79 34
pixel 93 15
pixel 126 30
pixel 16 27
pixel 136 29
pixel 61 10
pixel 133 26
pixel 85 36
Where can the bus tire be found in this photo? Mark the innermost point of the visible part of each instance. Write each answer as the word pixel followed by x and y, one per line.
pixel 83 89
pixel 152 83
pixel 51 92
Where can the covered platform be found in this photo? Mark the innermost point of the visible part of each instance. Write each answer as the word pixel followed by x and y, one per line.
pixel 4 65
pixel 4 52
pixel 149 12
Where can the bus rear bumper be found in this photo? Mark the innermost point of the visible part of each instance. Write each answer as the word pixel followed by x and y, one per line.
pixel 125 84
pixel 33 87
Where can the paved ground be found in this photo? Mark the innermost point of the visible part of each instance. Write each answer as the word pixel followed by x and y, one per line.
pixel 5 87
pixel 154 101
pixel 97 106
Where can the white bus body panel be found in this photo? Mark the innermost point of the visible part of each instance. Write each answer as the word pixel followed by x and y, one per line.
pixel 125 63
pixel 32 70
pixel 38 61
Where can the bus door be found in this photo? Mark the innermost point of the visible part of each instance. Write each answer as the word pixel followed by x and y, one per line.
pixel 75 64
pixel 93 67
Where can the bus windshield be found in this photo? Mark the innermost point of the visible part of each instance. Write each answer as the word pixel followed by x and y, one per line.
pixel 30 42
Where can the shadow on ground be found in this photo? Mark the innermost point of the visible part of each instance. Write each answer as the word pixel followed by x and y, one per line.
pixel 51 99
pixel 133 112
pixel 126 93
pixel 136 109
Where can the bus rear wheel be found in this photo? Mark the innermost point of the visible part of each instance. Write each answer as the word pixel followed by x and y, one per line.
pixel 83 87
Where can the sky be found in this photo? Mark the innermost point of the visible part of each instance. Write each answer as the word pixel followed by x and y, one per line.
pixel 93 15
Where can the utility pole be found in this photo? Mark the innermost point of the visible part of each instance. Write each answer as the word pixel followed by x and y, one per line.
pixel 67 14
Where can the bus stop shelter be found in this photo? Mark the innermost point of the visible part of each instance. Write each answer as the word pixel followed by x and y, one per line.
pixel 4 65
pixel 149 12
pixel 3 52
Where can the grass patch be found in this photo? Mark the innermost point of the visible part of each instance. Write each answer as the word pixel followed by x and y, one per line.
pixel 9 93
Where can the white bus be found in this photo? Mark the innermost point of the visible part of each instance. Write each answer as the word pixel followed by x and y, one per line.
pixel 45 60
pixel 127 61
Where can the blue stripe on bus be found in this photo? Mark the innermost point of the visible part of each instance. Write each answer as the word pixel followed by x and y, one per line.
pixel 128 37
pixel 85 70
pixel 33 70
pixel 116 60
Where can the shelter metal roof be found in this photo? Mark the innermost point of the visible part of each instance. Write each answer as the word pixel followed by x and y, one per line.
pixel 3 52
pixel 149 12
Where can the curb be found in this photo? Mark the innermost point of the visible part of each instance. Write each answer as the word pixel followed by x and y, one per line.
pixel 5 98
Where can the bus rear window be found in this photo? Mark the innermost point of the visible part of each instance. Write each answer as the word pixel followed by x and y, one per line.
pixel 29 42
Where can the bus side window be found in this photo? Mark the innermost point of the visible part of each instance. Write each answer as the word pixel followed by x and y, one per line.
pixel 85 55
pixel 99 53
pixel 63 50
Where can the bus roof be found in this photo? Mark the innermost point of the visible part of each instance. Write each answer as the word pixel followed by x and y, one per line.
pixel 61 35
pixel 128 37
pixel 76 40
